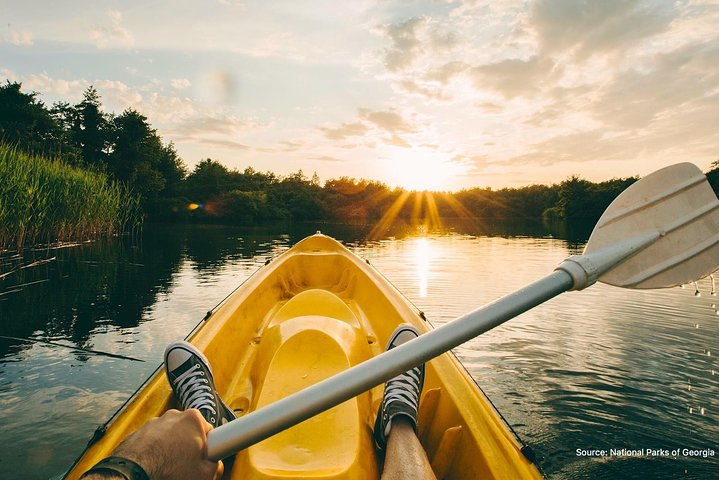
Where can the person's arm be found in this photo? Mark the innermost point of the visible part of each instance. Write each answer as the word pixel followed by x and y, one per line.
pixel 102 476
pixel 173 446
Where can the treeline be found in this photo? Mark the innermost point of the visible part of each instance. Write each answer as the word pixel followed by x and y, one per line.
pixel 211 192
pixel 130 151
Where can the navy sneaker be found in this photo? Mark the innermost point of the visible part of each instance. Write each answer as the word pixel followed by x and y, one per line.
pixel 190 377
pixel 401 393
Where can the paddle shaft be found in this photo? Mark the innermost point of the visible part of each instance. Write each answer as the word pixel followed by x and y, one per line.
pixel 276 417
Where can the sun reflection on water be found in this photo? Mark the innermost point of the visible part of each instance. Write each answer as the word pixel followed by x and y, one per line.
pixel 422 253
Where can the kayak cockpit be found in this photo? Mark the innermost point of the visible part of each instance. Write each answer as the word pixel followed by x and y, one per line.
pixel 312 337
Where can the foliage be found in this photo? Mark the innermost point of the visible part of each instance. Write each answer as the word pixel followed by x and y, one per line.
pixel 581 199
pixel 140 160
pixel 713 176
pixel 524 202
pixel 125 146
pixel 46 201
pixel 25 122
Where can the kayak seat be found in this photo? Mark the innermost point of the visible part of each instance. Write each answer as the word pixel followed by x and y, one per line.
pixel 315 301
pixel 310 338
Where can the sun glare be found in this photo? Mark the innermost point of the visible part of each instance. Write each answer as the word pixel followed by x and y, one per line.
pixel 426 176
pixel 421 170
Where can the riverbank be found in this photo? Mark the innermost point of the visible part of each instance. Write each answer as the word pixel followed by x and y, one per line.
pixel 46 201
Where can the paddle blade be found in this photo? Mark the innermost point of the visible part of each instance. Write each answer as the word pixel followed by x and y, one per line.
pixel 679 204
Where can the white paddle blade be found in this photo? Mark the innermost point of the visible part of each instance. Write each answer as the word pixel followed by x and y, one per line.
pixel 678 203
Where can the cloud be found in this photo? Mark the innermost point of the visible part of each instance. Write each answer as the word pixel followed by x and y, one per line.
pixel 396 141
pixel 68 89
pixel 180 83
pixel 19 38
pixel 405 46
pixel 682 128
pixel 473 163
pixel 201 124
pixel 198 124
pixel 344 131
pixel 514 77
pixel 383 125
pixel 444 73
pixel 411 38
pixel 683 78
pixel 588 27
pixel 120 96
pixel 113 35
pixel 429 92
pixel 179 119
pixel 224 144
pixel 390 120
pixel 490 107
pixel 291 145
pixel 325 158
pixel 661 86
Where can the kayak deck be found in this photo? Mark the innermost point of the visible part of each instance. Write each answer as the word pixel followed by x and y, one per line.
pixel 315 311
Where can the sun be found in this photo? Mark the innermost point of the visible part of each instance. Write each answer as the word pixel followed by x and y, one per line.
pixel 423 170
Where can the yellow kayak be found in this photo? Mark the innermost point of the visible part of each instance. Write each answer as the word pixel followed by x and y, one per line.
pixel 314 311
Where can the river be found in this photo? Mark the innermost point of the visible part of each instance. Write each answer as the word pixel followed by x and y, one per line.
pixel 602 369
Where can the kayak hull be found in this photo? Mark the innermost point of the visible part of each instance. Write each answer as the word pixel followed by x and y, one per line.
pixel 314 311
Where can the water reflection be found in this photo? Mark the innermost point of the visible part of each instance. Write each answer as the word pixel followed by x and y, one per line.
pixel 421 257
pixel 87 288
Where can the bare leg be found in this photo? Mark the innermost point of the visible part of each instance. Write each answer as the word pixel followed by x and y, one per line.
pixel 405 458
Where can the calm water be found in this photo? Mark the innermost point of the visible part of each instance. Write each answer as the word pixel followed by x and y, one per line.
pixel 600 369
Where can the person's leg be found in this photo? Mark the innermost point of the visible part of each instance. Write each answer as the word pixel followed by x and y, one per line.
pixel 405 458
pixel 190 376
pixel 395 429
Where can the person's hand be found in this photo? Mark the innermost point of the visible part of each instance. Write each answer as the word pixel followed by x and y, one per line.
pixel 173 446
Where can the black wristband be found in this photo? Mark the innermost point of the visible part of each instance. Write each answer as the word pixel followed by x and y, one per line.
pixel 127 468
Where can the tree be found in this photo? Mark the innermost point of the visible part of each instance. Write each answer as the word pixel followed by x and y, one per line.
pixel 26 123
pixel 90 130
pixel 581 199
pixel 138 157
pixel 66 117
pixel 207 180
pixel 298 196
pixel 713 176
pixel 172 169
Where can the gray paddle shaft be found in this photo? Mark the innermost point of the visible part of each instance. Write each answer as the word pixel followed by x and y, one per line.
pixel 276 417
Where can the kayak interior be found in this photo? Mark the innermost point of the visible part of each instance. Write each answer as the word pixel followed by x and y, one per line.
pixel 314 311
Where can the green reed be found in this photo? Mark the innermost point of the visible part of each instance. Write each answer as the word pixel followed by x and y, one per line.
pixel 46 201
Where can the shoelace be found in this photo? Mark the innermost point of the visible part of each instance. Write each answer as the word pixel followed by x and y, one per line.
pixel 404 388
pixel 195 391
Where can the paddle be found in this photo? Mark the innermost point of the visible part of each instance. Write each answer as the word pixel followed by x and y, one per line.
pixel 662 231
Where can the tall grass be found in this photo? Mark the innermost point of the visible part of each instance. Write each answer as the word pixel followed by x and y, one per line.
pixel 47 201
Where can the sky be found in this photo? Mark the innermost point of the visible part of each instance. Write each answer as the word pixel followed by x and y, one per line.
pixel 438 95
